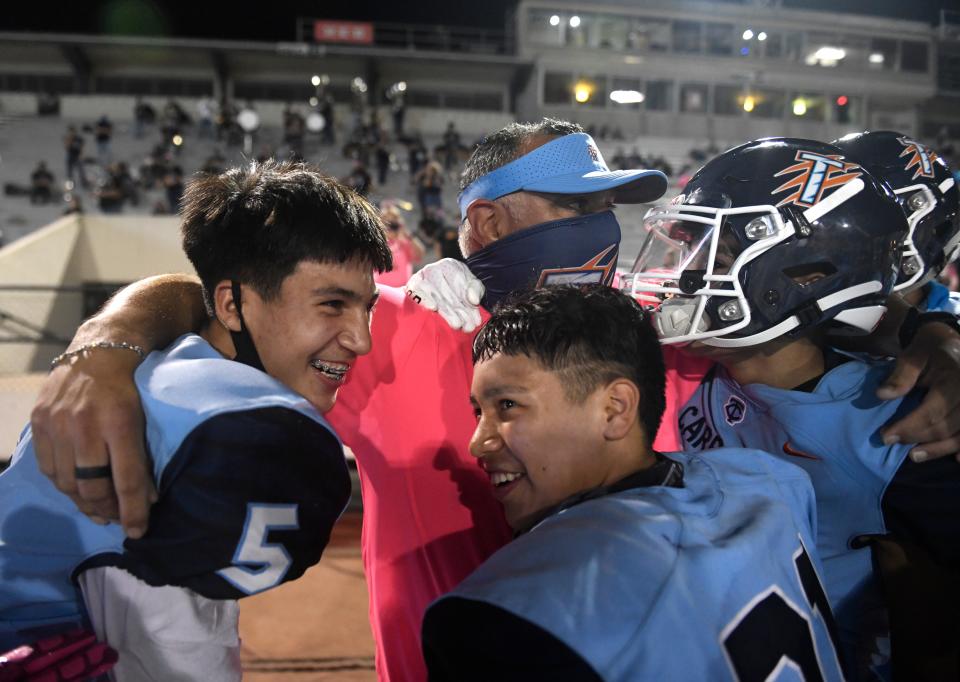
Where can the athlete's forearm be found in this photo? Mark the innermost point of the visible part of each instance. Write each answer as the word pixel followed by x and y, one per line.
pixel 150 313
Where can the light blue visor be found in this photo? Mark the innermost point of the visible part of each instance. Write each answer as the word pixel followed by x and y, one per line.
pixel 571 164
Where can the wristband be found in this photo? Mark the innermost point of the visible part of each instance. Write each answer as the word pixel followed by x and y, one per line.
pixel 70 355
pixel 915 319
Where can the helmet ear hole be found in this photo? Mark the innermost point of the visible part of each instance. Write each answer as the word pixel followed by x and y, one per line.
pixel 808 273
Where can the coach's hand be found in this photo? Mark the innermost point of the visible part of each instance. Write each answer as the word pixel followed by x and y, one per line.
pixel 448 287
pixel 88 417
pixel 931 361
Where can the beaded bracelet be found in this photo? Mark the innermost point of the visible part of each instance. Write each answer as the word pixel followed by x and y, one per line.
pixel 70 355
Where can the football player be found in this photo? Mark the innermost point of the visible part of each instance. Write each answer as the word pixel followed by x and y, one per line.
pixel 928 193
pixel 629 564
pixel 250 477
pixel 775 242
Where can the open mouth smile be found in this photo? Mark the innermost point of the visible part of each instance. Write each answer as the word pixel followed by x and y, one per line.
pixel 334 371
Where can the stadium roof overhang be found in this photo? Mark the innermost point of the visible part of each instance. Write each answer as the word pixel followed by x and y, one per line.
pixel 243 59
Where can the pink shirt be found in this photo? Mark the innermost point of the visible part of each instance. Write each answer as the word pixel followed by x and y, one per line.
pixel 430 517
pixel 403 257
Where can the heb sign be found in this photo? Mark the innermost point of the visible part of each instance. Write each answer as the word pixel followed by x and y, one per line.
pixel 356 32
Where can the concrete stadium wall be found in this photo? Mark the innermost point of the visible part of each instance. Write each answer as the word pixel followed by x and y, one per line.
pixel 71 252
pixel 17 103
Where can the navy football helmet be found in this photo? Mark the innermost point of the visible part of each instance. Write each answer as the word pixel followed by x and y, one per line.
pixel 769 238
pixel 927 193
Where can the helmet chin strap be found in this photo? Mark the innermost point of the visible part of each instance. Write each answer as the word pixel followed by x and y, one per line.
pixel 242 341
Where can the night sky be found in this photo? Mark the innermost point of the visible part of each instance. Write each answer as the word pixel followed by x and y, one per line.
pixel 274 20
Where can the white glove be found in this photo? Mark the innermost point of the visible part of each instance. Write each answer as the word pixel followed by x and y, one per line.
pixel 449 288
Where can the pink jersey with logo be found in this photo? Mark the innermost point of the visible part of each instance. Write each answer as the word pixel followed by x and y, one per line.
pixel 430 517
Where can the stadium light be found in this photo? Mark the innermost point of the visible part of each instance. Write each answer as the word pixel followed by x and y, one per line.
pixel 314 101
pixel 799 106
pixel 555 20
pixel 574 21
pixel 582 92
pixel 627 96
pixel 830 54
pixel 826 56
pixel 761 36
pixel 749 102
pixel 177 140
pixel 876 58
pixel 315 81
pixel 748 34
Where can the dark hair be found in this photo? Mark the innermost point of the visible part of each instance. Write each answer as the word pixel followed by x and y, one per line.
pixel 590 335
pixel 255 224
pixel 504 146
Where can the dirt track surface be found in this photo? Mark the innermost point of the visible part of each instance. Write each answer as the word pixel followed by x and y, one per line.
pixel 315 628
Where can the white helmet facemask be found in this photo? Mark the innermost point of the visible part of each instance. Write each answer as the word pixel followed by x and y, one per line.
pixel 919 203
pixel 686 260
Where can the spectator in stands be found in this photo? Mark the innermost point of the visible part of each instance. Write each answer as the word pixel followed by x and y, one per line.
pixel 416 155
pixel 451 146
pixel 448 244
pixel 326 110
pixel 205 113
pixel 127 184
pixel 103 132
pixel 110 192
pixel 174 118
pixel 359 179
pixel 153 167
pixel 41 184
pixel 429 182
pixel 73 144
pixel 160 208
pixel 143 115
pixel 383 163
pixel 398 109
pixel 406 249
pixel 173 186
pixel 227 129
pixel 294 127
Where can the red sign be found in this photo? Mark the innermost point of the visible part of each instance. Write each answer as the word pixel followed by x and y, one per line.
pixel 356 32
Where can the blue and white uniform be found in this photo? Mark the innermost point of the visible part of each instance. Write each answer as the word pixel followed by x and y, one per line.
pixel 250 479
pixel 863 487
pixel 710 580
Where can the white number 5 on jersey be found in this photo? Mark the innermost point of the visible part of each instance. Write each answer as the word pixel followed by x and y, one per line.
pixel 259 565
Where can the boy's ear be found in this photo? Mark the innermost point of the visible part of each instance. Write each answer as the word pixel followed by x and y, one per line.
pixel 621 402
pixel 225 306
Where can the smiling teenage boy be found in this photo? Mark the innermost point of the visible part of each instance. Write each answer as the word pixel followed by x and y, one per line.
pixel 629 564
pixel 250 476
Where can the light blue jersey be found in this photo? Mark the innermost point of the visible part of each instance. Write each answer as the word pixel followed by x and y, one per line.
pixel 713 580
pixel 832 433
pixel 229 478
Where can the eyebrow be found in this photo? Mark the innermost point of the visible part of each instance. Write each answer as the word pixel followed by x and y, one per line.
pixel 343 293
pixel 495 391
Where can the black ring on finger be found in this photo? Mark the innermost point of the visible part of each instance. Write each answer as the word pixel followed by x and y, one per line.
pixel 87 473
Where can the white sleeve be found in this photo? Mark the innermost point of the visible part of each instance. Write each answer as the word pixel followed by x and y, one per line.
pixel 162 634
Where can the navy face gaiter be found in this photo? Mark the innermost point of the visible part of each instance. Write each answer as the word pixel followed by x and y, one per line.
pixel 578 250
pixel 242 341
